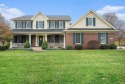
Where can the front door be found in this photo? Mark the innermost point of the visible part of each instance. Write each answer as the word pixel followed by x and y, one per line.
pixel 40 40
pixel 33 40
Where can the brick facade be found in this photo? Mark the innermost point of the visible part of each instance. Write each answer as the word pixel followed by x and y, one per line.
pixel 87 38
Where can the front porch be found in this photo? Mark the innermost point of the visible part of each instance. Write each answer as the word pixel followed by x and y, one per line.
pixel 35 40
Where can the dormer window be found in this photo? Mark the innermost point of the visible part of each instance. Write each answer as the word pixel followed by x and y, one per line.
pixel 90 21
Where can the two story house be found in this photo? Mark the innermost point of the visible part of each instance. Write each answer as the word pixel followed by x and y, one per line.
pixel 57 31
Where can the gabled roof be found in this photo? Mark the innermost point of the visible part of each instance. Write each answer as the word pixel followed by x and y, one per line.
pixel 95 14
pixel 49 17
pixel 38 14
pixel 26 17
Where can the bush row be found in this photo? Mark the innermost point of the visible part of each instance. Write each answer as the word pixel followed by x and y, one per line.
pixel 3 48
pixel 77 47
pixel 108 46
pixel 103 46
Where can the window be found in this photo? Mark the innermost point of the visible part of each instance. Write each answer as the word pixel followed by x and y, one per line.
pixel 57 24
pixel 28 24
pixel 52 24
pixel 78 38
pixel 52 39
pixel 19 24
pixel 103 38
pixel 61 39
pixel 90 21
pixel 61 24
pixel 39 24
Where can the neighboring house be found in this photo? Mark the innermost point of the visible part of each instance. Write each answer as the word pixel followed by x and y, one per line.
pixel 58 32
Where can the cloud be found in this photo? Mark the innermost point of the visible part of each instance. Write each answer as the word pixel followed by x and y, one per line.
pixel 116 9
pixel 9 12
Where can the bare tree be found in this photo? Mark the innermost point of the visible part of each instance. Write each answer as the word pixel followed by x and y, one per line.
pixel 119 24
pixel 5 31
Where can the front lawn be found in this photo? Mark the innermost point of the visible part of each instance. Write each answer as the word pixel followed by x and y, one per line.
pixel 62 67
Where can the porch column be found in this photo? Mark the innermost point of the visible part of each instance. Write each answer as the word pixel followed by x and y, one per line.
pixel 36 40
pixel 11 43
pixel 45 37
pixel 30 39
pixel 64 45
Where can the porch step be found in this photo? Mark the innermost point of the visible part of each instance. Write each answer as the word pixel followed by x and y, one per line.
pixel 36 48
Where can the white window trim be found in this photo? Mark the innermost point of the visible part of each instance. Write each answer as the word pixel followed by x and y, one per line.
pixel 80 38
pixel 105 38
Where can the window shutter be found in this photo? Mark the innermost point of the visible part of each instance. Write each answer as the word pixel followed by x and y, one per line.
pixel 99 37
pixel 43 23
pixel 86 21
pixel 25 24
pixel 94 21
pixel 49 24
pixel 106 38
pixel 16 24
pixel 22 24
pixel 31 24
pixel 82 38
pixel 74 38
pixel 36 24
pixel 64 24
pixel 48 38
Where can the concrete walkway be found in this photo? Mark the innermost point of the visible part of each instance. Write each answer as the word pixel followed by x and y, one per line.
pixel 121 47
pixel 36 48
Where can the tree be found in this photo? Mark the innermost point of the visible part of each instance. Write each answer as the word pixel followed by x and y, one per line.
pixel 119 24
pixel 5 31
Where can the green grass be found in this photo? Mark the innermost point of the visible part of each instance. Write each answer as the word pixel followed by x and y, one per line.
pixel 62 67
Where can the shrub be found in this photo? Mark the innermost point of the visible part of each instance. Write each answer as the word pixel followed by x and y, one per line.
pixel 7 45
pixel 93 44
pixel 105 46
pixel 113 46
pixel 44 45
pixel 68 47
pixel 2 48
pixel 27 44
pixel 78 47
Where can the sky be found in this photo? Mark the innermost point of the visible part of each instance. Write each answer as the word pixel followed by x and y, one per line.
pixel 74 8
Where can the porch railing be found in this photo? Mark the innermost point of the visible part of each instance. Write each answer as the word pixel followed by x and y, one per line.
pixel 18 44
pixel 55 45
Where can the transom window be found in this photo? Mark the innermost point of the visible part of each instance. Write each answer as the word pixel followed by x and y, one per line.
pixel 78 37
pixel 103 38
pixel 90 21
